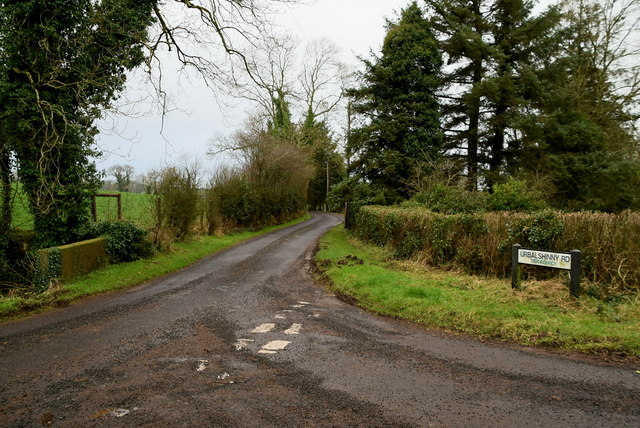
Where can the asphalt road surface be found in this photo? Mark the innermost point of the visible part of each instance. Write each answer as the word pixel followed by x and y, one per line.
pixel 246 339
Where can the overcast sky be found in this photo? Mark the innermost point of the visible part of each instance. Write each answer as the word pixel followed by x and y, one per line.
pixel 149 142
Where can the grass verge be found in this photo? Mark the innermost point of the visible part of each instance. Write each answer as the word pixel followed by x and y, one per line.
pixel 116 277
pixel 541 314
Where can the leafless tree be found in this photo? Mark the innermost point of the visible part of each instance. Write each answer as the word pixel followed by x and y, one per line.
pixel 269 80
pixel 123 175
pixel 323 77
pixel 213 38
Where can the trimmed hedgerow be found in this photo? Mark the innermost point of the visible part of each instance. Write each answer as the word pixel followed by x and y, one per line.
pixel 481 243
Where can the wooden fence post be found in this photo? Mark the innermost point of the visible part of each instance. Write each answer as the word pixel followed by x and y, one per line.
pixel 575 273
pixel 515 267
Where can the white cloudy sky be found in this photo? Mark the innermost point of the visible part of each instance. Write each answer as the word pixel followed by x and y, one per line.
pixel 149 142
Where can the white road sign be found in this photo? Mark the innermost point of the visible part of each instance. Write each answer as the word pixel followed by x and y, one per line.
pixel 545 258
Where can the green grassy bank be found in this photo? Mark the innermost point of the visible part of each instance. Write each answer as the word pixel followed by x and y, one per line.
pixel 116 277
pixel 542 313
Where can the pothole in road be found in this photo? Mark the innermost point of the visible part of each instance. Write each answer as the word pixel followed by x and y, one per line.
pixel 243 343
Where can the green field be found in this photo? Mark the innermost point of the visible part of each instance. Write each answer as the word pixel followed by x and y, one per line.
pixel 542 313
pixel 136 208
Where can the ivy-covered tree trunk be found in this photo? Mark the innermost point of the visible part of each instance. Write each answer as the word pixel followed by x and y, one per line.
pixel 59 190
pixel 63 61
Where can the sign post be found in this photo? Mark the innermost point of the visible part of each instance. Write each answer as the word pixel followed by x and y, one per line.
pixel 555 260
pixel 575 273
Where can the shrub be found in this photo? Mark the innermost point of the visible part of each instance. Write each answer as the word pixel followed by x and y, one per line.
pixel 270 188
pixel 445 199
pixel 125 242
pixel 515 195
pixel 354 193
pixel 540 230
pixel 211 211
pixel 238 204
pixel 177 205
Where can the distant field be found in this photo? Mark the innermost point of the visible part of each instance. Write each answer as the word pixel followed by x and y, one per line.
pixel 136 208
pixel 21 217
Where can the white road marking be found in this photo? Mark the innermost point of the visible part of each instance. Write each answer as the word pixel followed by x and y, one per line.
pixel 275 345
pixel 304 303
pixel 242 343
pixel 294 329
pixel 118 413
pixel 262 351
pixel 297 306
pixel 202 365
pixel 280 317
pixel 264 328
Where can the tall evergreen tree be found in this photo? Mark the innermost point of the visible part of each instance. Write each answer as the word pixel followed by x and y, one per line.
pixel 513 86
pixel 325 158
pixel 490 47
pixel 583 139
pixel 400 130
pixel 462 27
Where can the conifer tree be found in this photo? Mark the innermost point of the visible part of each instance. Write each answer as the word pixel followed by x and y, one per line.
pixel 400 131
pixel 583 139
pixel 462 27
pixel 512 87
pixel 490 47
pixel 328 164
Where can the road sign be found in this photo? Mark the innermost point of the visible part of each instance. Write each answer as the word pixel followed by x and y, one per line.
pixel 545 258
pixel 567 261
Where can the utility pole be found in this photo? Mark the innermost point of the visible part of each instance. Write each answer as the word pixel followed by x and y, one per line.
pixel 347 154
pixel 326 199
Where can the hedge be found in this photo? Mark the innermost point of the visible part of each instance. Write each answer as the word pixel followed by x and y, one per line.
pixel 481 243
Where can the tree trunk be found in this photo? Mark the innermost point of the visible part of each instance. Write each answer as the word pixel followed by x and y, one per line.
pixel 473 132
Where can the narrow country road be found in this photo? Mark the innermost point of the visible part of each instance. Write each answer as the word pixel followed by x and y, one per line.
pixel 246 339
